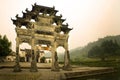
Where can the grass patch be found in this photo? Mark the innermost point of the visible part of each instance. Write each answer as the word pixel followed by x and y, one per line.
pixel 115 64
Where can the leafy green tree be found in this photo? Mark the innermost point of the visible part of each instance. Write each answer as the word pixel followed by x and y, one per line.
pixel 5 46
pixel 42 59
pixel 110 48
pixel 96 52
pixel 105 50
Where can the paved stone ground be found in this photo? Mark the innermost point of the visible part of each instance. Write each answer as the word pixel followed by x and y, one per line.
pixel 45 73
pixel 25 64
pixel 28 64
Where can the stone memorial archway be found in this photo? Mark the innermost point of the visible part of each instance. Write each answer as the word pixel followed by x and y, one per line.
pixel 45 29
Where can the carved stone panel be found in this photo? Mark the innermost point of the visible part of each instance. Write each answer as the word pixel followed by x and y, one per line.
pixel 25 40
pixel 44 28
pixel 26 32
pixel 44 21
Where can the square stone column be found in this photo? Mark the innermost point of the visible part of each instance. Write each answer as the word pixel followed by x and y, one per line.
pixel 17 67
pixel 67 65
pixel 55 65
pixel 33 62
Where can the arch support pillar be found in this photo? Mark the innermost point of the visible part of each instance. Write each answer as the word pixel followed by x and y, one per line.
pixel 55 64
pixel 17 67
pixel 33 62
pixel 67 65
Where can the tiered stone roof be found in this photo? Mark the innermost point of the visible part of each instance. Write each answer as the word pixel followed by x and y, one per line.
pixel 38 10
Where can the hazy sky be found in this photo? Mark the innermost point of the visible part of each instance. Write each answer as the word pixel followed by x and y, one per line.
pixel 90 19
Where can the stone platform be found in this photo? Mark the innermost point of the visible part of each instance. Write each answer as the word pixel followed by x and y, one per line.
pixel 45 73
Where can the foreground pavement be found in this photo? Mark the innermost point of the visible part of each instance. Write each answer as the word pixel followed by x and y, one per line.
pixel 45 73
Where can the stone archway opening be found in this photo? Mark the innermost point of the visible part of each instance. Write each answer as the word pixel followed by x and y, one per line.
pixel 61 33
pixel 48 56
pixel 25 45
pixel 60 51
pixel 32 20
pixel 23 27
pixel 25 52
pixel 43 53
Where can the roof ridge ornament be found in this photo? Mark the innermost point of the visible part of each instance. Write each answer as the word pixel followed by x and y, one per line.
pixel 22 12
pixel 27 10
pixel 53 7
pixel 60 15
pixel 12 19
pixel 16 16
pixel 67 24
pixel 35 4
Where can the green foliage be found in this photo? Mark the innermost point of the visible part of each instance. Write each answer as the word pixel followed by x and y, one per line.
pixel 107 49
pixel 5 46
pixel 82 52
pixel 95 52
pixel 110 47
pixel 42 59
pixel 98 63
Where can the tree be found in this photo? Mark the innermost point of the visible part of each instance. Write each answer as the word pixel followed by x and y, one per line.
pixel 110 48
pixel 96 52
pixel 105 50
pixel 42 60
pixel 5 46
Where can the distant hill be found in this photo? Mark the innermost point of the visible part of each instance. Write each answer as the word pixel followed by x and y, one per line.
pixel 81 53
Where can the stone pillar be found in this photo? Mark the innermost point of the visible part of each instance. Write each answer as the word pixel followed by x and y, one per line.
pixel 55 65
pixel 33 62
pixel 67 65
pixel 17 67
pixel 25 59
